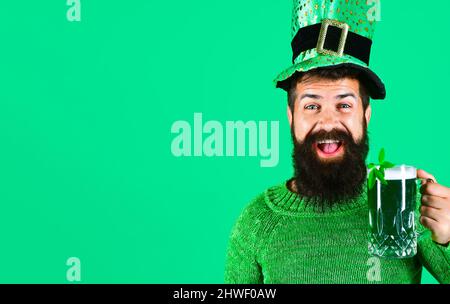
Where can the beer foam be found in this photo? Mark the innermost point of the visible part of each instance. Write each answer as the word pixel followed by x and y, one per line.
pixel 396 173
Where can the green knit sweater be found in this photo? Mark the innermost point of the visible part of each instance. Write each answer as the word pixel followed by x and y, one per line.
pixel 280 239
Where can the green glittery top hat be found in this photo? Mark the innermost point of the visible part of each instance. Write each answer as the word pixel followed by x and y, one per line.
pixel 332 33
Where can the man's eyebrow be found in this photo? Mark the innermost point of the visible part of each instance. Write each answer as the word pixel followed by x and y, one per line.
pixel 313 96
pixel 342 96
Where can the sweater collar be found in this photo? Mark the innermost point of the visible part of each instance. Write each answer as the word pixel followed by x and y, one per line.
pixel 281 199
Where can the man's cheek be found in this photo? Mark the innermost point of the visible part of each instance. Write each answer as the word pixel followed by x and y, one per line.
pixel 300 136
pixel 301 131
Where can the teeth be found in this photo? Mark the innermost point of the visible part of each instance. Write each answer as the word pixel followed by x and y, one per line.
pixel 328 141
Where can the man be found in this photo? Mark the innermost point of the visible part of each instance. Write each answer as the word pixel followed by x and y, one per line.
pixel 312 228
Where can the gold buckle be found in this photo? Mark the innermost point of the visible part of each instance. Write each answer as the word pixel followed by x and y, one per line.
pixel 323 34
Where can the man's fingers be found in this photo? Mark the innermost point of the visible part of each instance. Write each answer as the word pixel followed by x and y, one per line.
pixel 424 174
pixel 428 222
pixel 430 212
pixel 431 201
pixel 435 189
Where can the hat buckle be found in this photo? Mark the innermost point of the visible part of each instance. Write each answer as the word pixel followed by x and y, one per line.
pixel 323 34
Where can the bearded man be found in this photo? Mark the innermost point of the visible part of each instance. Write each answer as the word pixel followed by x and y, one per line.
pixel 312 228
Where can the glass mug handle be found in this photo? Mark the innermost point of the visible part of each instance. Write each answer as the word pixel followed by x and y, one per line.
pixel 424 232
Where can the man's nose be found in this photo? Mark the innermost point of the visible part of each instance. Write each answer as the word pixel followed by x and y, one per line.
pixel 328 120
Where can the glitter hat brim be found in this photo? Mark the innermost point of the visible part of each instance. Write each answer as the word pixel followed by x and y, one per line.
pixel 375 86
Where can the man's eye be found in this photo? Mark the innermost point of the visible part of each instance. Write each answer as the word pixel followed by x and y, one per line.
pixel 344 105
pixel 311 107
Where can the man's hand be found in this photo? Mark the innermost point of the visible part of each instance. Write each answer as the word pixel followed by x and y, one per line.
pixel 435 209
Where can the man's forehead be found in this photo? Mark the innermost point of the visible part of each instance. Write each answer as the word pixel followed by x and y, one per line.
pixel 328 85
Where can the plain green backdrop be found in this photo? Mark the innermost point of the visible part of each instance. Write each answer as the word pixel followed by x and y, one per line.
pixel 86 168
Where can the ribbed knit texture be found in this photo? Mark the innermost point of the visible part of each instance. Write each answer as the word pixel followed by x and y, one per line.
pixel 280 239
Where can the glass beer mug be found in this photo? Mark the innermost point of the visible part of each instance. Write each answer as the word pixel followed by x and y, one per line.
pixel 392 231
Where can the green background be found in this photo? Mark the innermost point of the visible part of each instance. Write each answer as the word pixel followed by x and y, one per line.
pixel 86 168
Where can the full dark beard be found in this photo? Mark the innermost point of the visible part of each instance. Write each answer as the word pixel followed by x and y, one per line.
pixel 326 183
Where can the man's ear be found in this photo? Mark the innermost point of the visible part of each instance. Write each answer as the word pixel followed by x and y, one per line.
pixel 368 113
pixel 289 114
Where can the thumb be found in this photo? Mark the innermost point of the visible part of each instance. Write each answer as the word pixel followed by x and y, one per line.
pixel 422 174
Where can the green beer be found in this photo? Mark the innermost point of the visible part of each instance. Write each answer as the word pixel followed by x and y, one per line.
pixel 392 232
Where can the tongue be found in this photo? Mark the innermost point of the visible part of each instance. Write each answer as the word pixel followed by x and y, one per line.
pixel 329 148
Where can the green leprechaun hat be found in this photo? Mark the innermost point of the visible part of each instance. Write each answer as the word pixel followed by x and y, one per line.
pixel 332 33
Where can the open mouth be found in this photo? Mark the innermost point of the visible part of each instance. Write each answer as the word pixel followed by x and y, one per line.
pixel 329 147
